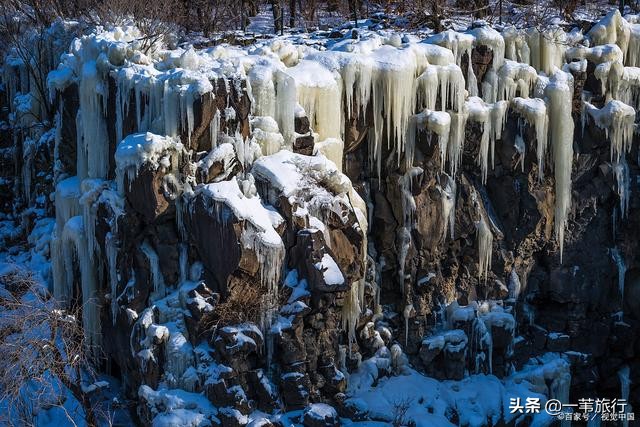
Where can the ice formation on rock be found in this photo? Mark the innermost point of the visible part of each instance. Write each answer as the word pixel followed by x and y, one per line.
pixel 559 93
pixel 485 248
pixel 401 88
pixel 534 112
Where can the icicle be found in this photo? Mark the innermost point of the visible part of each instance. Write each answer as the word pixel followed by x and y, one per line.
pixel 482 345
pixel 350 314
pixel 622 270
pixel 448 192
pixel 408 203
pixel 516 47
pixel 154 267
pixel 485 248
pixel 342 360
pixel 73 246
pixel 319 92
pixel 617 120
pixel 559 93
pixel 492 120
pixel 437 122
pixel 456 141
pixel 408 309
pixel 214 128
pixel 112 264
pixel 393 100
pixel 93 147
pixel 285 106
pixel 171 107
pixel 514 76
pixel 560 388
pixel 514 285
pixel 625 386
pixel 534 112
pixel 547 48
pixel 184 262
pixel 613 28
pixel 403 237
pixel 623 184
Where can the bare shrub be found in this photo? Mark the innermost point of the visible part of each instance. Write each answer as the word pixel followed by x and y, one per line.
pixel 243 304
pixel 42 353
pixel 400 409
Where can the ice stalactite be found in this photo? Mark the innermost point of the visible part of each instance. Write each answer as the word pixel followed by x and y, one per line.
pixel 319 92
pixel 342 360
pixel 613 28
pixel 547 48
pixel 608 64
pixel 626 87
pixel 623 184
pixel 91 190
pixel 625 386
pixel 350 313
pixel 112 265
pixel 73 245
pixel 444 80
pixel 184 262
pixel 448 190
pixel 492 120
pixel 93 147
pixel 393 99
pixel 357 76
pixel 408 202
pixel 154 269
pixel 214 128
pixel 67 201
pixel 515 78
pixel 621 266
pixel 514 285
pixel 560 388
pixel 534 112
pixel 403 242
pixel 28 152
pixel 617 120
pixel 481 345
pixel 516 47
pixel 437 122
pixel 460 44
pixel 456 140
pixel 408 311
pixel 559 93
pixel 267 135
pixel 485 248
pixel 285 105
pixel 486 36
pixel 263 89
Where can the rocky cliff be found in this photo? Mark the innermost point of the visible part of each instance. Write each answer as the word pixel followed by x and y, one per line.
pixel 285 225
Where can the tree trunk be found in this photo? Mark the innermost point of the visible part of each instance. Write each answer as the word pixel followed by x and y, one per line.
pixel 292 13
pixel 277 15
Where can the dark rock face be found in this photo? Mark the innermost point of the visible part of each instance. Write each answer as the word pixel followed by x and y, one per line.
pixel 573 307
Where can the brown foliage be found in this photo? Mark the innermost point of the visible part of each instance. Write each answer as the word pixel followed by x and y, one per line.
pixel 244 304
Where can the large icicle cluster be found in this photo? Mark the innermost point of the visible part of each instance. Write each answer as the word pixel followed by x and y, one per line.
pixel 400 86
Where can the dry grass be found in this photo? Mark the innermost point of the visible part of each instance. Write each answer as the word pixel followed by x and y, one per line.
pixel 244 304
pixel 42 351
